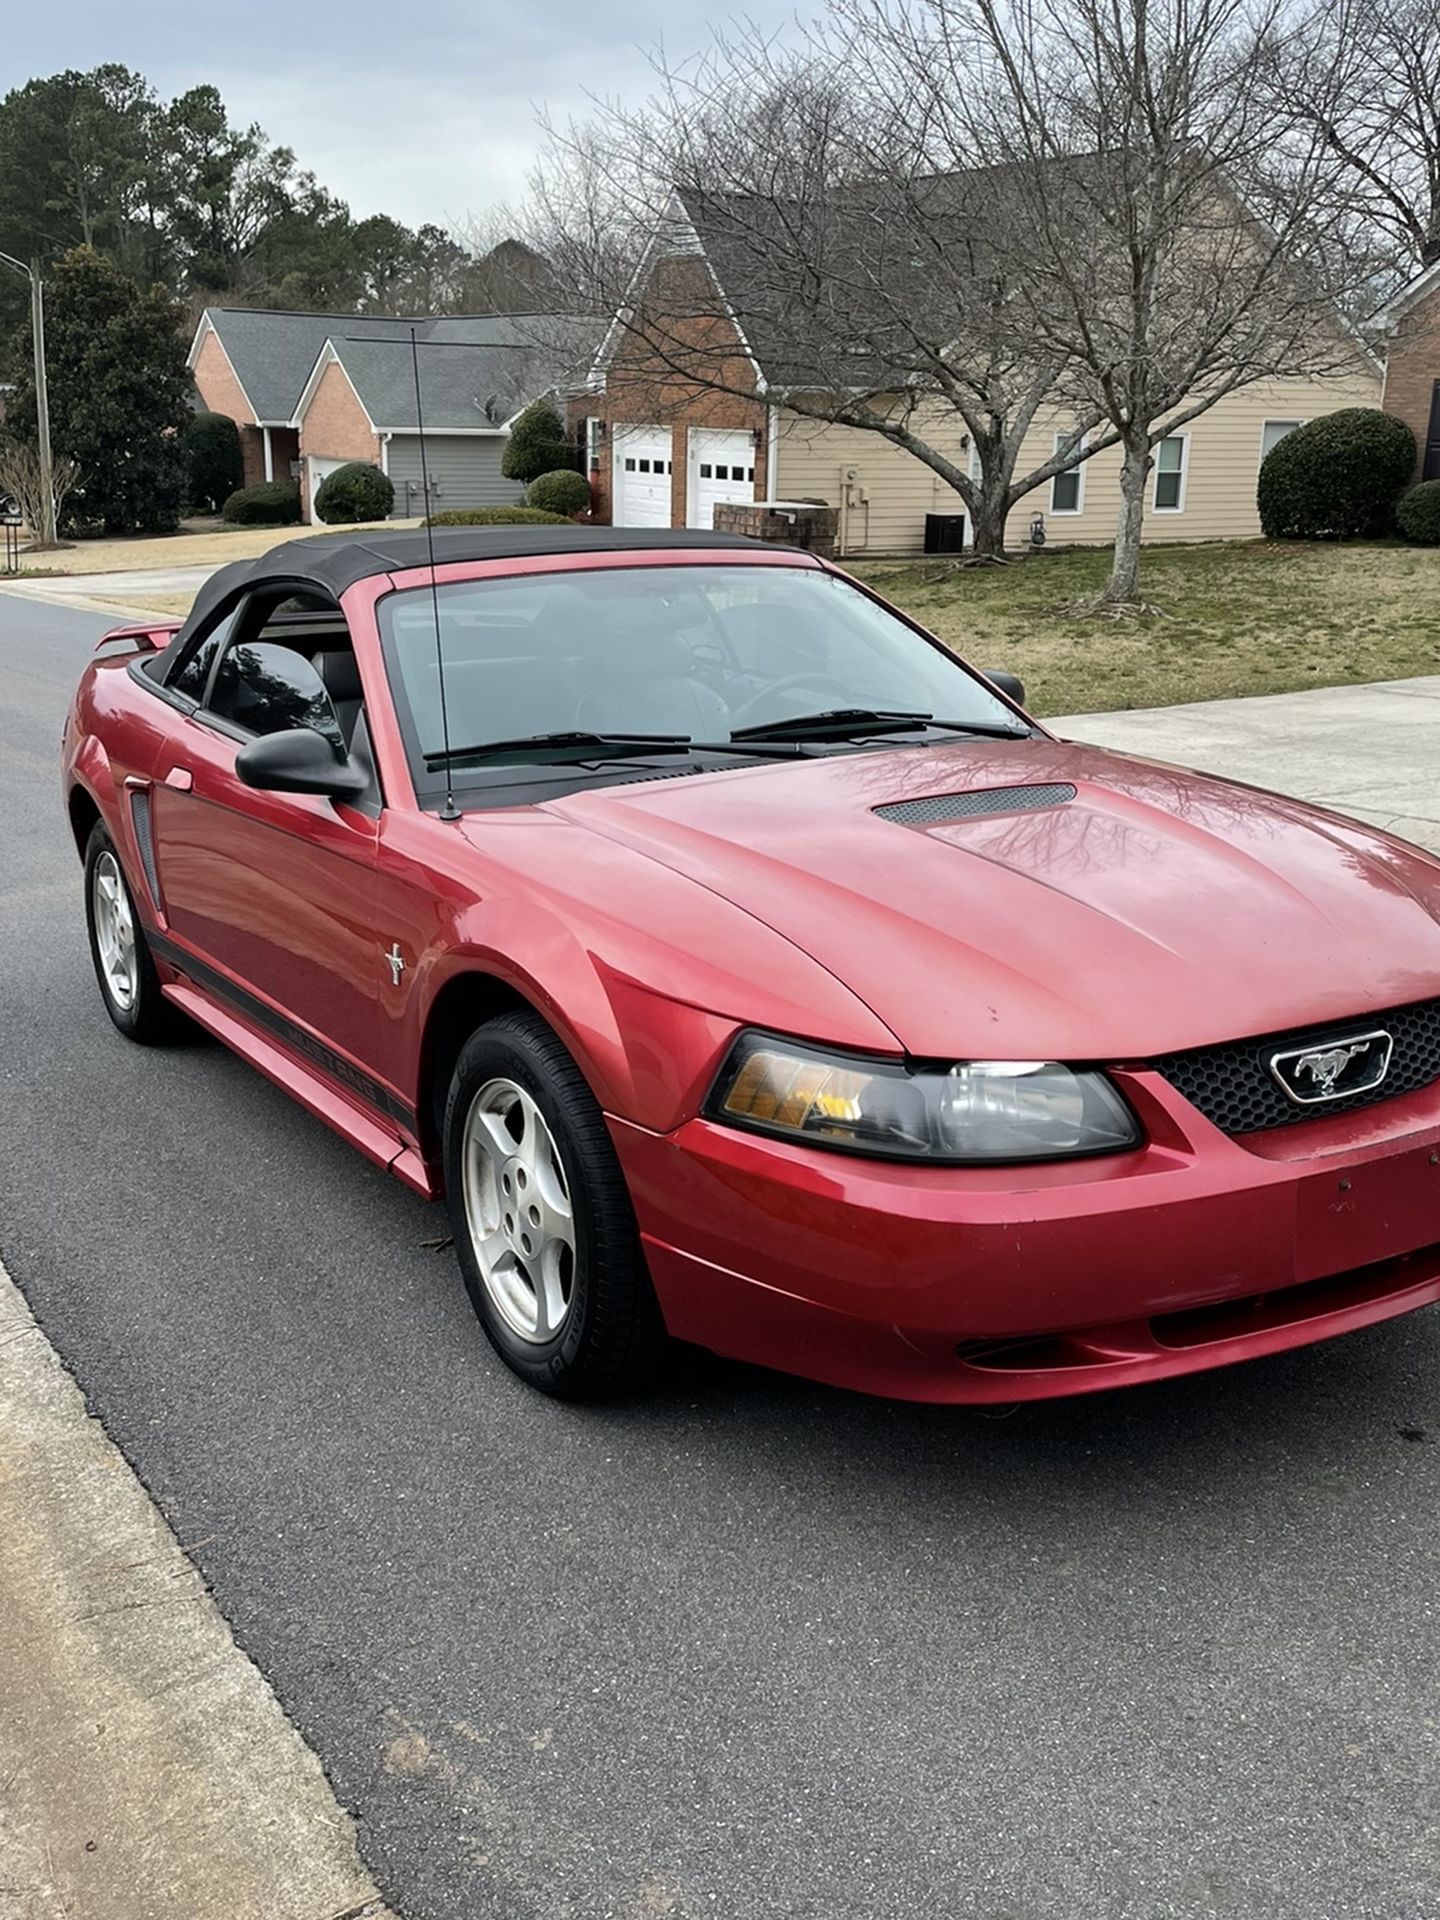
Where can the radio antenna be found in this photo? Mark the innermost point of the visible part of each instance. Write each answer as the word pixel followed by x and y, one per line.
pixel 449 811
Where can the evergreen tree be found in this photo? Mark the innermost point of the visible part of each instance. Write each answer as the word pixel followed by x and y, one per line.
pixel 537 443
pixel 119 393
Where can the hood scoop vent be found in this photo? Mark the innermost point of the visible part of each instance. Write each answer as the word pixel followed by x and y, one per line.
pixel 938 808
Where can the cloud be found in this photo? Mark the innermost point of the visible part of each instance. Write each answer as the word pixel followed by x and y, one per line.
pixel 426 112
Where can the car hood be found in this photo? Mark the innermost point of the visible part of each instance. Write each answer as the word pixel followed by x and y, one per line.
pixel 1153 909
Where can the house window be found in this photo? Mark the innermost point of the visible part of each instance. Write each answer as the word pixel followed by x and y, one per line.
pixel 629 464
pixel 1067 490
pixel 592 443
pixel 707 472
pixel 1273 432
pixel 1171 460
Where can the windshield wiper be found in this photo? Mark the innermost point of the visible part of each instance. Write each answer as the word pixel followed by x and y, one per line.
pixel 576 737
pixel 837 722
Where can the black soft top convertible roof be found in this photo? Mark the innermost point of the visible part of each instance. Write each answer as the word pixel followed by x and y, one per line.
pixel 333 562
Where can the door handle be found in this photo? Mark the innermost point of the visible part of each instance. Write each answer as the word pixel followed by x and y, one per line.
pixel 180 778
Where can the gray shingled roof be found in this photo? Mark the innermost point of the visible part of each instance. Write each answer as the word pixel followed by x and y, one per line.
pixel 460 385
pixel 273 354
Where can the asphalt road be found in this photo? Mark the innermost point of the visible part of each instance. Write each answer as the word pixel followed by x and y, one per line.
pixel 751 1649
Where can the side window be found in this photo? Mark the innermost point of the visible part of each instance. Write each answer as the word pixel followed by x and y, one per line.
pixel 193 676
pixel 267 688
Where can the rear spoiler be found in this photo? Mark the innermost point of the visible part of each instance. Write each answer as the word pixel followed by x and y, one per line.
pixel 148 636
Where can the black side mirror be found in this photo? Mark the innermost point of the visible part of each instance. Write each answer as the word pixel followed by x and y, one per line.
pixel 1009 684
pixel 299 760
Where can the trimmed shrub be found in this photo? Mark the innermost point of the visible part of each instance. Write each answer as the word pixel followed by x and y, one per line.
pixel 497 517
pixel 563 491
pixel 213 461
pixel 536 444
pixel 1337 478
pixel 1418 514
pixel 352 493
pixel 274 503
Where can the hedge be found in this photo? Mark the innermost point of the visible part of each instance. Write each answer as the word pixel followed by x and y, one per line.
pixel 353 493
pixel 275 503
pixel 497 517
pixel 214 464
pixel 563 491
pixel 1337 477
pixel 536 444
pixel 1418 514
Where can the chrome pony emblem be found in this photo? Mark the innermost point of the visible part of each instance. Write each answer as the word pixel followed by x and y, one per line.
pixel 395 960
pixel 1312 1074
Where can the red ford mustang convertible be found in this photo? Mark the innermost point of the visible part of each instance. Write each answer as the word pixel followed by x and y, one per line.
pixel 743 967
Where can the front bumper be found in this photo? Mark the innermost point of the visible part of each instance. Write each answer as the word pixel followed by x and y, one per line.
pixel 1003 1284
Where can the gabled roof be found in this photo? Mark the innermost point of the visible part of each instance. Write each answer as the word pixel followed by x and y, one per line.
pixel 463 387
pixel 274 354
pixel 1426 281
pixel 852 239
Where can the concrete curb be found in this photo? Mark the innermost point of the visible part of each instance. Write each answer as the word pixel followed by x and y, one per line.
pixel 147 1772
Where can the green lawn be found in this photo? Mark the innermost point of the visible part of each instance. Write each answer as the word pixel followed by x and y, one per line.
pixel 1234 618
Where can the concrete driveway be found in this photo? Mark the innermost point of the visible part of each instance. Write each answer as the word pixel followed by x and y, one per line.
pixel 128 596
pixel 1370 751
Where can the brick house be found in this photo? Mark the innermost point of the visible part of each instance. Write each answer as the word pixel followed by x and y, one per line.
pixel 1412 366
pixel 665 449
pixel 311 391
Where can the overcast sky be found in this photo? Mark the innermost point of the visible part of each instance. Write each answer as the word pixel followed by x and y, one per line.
pixel 424 111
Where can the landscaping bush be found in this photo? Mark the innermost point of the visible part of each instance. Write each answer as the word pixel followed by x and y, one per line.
pixel 1418 514
pixel 536 444
pixel 497 517
pixel 354 493
pixel 275 503
pixel 563 491
pixel 213 461
pixel 1336 478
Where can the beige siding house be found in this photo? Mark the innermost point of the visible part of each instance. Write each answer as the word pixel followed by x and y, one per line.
pixel 672 431
pixel 1203 486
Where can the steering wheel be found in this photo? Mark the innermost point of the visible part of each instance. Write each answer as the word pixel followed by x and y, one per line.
pixel 821 682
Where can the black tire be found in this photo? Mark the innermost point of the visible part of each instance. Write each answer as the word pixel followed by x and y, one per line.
pixel 612 1337
pixel 149 1018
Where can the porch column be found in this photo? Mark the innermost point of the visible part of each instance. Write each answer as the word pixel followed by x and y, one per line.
pixel 269 455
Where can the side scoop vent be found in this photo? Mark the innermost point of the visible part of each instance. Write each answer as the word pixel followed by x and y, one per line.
pixel 940 807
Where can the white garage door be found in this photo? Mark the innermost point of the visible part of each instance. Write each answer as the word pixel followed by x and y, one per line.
pixel 722 467
pixel 642 477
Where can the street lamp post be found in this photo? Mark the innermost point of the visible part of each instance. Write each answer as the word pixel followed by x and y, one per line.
pixel 42 395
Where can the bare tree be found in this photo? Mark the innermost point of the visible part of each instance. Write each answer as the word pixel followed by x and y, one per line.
pixel 22 477
pixel 936 221
pixel 796 198
pixel 1365 76
pixel 1174 224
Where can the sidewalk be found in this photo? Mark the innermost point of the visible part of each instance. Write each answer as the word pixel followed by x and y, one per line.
pixel 146 1770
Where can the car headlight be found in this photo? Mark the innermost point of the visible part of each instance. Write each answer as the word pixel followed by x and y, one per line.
pixel 975 1112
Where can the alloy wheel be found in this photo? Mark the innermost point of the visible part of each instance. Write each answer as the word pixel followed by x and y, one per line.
pixel 519 1212
pixel 115 932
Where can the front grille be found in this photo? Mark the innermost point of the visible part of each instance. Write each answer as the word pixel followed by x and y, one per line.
pixel 1233 1086
pixel 939 807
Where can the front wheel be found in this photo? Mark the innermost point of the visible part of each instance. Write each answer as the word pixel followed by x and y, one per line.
pixel 544 1230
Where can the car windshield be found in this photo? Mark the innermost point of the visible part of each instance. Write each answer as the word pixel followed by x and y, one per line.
pixel 692 651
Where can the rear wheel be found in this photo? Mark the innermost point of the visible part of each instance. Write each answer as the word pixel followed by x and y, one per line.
pixel 129 984
pixel 543 1226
